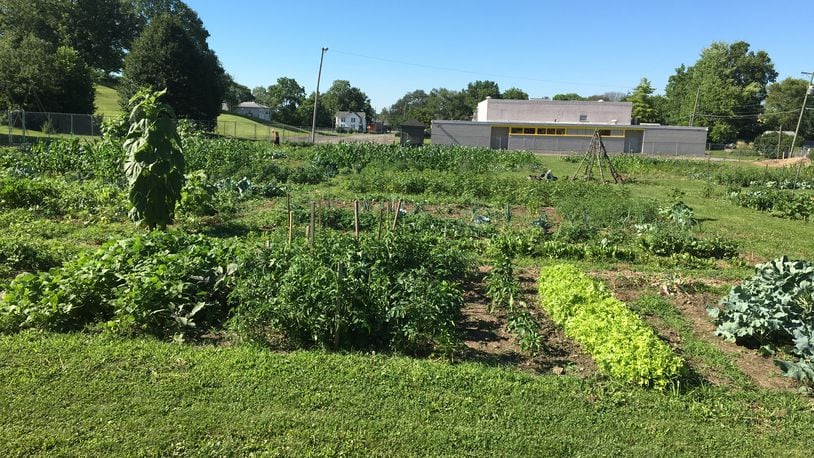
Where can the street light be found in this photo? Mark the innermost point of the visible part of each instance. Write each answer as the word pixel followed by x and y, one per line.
pixel 802 110
pixel 316 98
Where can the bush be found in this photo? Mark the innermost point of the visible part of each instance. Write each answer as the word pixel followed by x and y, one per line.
pixel 620 343
pixel 400 292
pixel 667 241
pixel 161 283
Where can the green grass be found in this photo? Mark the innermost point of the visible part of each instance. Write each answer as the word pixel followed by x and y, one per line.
pixel 107 101
pixel 232 125
pixel 81 394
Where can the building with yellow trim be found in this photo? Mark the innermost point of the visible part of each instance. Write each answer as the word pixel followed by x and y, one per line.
pixel 566 126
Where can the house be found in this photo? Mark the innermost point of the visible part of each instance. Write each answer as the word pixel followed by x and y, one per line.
pixel 351 121
pixel 254 110
pixel 566 126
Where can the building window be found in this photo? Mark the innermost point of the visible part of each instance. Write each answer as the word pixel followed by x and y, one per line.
pixel 529 130
pixel 604 132
pixel 583 118
pixel 516 130
pixel 353 120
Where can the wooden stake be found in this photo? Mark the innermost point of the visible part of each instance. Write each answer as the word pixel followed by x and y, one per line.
pixel 381 220
pixel 396 216
pixel 290 226
pixel 356 218
pixel 311 227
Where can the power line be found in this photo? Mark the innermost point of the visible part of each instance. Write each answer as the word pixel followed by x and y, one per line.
pixel 470 72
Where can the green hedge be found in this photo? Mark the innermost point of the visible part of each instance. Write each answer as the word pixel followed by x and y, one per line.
pixel 617 339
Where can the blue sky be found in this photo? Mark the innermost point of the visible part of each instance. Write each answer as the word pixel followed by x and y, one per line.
pixel 389 48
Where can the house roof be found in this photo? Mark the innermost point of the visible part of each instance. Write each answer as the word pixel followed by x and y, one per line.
pixel 348 113
pixel 250 105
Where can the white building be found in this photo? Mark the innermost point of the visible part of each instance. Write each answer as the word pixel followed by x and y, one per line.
pixel 351 121
pixel 255 110
pixel 566 126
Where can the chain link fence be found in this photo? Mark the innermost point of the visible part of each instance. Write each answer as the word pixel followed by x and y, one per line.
pixel 22 127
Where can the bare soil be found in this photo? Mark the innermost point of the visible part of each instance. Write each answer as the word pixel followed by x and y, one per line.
pixel 487 340
pixel 777 163
pixel 628 287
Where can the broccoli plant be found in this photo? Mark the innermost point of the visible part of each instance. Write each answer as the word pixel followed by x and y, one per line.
pixel 155 163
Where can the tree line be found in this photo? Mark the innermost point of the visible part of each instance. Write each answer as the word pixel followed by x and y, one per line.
pixel 53 51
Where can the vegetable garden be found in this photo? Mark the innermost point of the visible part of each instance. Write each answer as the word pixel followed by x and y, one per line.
pixel 370 249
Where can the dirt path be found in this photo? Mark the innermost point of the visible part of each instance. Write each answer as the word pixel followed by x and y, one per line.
pixel 776 163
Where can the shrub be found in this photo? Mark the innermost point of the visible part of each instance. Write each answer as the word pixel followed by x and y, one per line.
pixel 620 343
pixel 160 283
pixel 399 292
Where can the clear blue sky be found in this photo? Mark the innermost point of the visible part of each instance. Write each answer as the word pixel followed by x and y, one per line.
pixel 388 48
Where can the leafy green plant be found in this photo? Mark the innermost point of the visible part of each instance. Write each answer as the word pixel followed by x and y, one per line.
pixel 161 283
pixel 620 343
pixel 155 164
pixel 400 292
pixel 775 307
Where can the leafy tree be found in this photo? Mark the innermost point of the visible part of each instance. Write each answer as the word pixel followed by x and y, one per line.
pixel 99 30
pixel 645 105
pixel 783 103
pixel 730 81
pixel 413 105
pixel 477 91
pixel 148 10
pixel 775 144
pixel 167 55
pixel 305 113
pixel 36 75
pixel 154 167
pixel 236 93
pixel 343 97
pixel 448 104
pixel 611 96
pixel 514 93
pixel 284 98
pixel 568 96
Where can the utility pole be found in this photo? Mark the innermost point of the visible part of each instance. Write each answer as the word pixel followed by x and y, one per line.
pixel 779 135
pixel 316 99
pixel 802 110
pixel 695 107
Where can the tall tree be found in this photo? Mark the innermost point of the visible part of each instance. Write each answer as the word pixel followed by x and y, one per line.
pixel 449 104
pixel 36 75
pixel 305 112
pixel 568 96
pixel 729 81
pixel 645 104
pixel 514 93
pixel 477 91
pixel 412 105
pixel 783 103
pixel 167 55
pixel 236 93
pixel 284 98
pixel 99 30
pixel 343 97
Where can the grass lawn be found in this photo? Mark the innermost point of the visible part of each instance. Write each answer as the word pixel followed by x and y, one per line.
pixel 79 394
pixel 107 101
